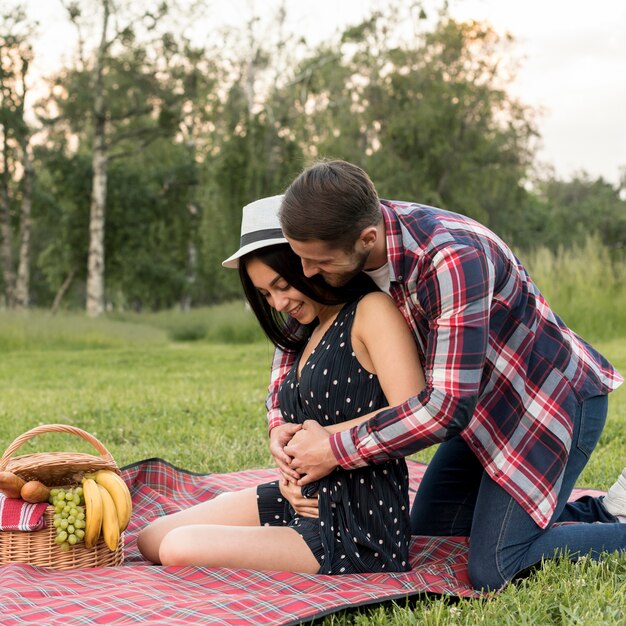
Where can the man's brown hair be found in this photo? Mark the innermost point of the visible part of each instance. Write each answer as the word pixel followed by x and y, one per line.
pixel 332 201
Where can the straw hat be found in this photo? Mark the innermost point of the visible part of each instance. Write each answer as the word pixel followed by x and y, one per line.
pixel 260 228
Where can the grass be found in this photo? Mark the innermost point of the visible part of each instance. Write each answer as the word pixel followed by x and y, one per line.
pixel 562 592
pixel 585 285
pixel 229 323
pixel 200 406
pixel 190 388
pixel 38 330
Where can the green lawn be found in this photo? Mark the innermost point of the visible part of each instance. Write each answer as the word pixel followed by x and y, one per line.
pixel 200 406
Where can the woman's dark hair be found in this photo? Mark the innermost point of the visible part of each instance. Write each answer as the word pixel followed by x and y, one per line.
pixel 284 261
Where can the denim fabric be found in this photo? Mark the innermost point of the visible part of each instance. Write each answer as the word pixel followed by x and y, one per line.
pixel 457 498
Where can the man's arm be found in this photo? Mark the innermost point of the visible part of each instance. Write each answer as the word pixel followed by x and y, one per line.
pixel 456 293
pixel 281 363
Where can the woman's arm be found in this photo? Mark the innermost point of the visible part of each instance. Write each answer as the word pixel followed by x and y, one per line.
pixel 384 345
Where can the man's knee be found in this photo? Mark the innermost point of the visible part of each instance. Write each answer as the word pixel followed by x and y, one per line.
pixel 484 574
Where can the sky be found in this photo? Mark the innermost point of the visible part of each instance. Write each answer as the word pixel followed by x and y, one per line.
pixel 572 54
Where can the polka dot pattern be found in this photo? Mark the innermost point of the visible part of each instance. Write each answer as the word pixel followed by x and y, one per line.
pixel 364 522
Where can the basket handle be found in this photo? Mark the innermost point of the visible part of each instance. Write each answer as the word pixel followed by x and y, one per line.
pixel 53 428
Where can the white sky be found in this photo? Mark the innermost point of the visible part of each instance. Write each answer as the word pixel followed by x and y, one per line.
pixel 573 55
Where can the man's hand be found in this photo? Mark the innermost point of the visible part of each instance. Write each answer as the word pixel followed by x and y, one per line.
pixel 280 436
pixel 311 453
pixel 305 507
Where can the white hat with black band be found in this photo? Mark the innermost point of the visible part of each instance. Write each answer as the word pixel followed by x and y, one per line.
pixel 260 228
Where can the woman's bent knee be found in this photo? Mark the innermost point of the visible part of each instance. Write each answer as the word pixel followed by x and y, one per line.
pixel 170 548
pixel 148 543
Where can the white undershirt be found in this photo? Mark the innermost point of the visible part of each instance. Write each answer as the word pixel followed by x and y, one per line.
pixel 381 277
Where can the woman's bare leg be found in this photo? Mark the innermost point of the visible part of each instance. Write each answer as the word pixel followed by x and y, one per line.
pixel 237 508
pixel 251 547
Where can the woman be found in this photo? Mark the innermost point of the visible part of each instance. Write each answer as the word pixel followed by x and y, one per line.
pixel 344 370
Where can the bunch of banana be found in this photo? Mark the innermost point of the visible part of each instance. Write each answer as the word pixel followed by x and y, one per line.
pixel 107 508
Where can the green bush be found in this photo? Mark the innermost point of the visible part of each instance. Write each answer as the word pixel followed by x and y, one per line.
pixel 585 286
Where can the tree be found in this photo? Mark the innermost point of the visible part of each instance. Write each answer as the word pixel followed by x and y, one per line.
pixel 16 180
pixel 118 84
pixel 427 115
pixel 582 206
pixel 61 238
pixel 254 153
pixel 450 134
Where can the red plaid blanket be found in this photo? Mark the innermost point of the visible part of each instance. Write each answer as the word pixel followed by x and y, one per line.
pixel 138 592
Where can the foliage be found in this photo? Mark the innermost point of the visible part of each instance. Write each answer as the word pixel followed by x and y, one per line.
pixel 16 173
pixel 457 140
pixel 193 133
pixel 581 206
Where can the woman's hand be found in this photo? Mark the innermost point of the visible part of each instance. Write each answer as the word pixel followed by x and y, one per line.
pixel 280 436
pixel 305 507
pixel 310 452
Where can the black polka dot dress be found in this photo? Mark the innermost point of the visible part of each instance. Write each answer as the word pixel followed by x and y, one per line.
pixel 363 523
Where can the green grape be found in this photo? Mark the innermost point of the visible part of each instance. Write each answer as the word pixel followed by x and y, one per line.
pixel 69 516
pixel 61 537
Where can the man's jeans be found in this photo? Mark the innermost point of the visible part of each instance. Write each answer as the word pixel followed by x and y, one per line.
pixel 457 498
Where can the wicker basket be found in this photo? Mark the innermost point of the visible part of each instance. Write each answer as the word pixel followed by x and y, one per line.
pixel 55 469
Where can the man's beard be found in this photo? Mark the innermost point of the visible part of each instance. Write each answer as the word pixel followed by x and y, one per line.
pixel 339 280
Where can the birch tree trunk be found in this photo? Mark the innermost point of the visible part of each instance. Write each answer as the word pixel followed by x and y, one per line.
pixel 22 286
pixel 6 251
pixel 95 263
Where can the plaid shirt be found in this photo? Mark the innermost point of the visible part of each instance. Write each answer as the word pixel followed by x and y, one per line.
pixel 501 368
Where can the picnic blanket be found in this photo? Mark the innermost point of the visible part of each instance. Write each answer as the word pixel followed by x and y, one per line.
pixel 138 592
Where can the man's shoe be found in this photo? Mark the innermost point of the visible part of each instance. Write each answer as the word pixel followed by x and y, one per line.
pixel 615 500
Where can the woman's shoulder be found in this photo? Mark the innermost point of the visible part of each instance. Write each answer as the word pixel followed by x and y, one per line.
pixel 375 304
pixel 376 299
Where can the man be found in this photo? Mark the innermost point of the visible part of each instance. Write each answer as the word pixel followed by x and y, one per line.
pixel 516 400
